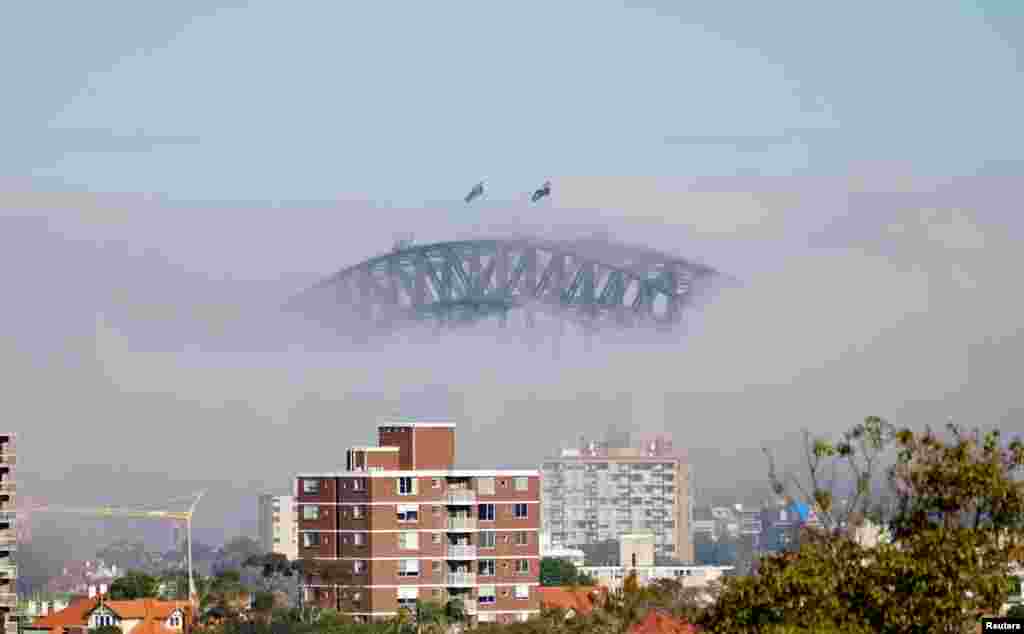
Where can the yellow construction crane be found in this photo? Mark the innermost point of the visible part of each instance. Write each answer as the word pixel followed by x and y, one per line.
pixel 113 511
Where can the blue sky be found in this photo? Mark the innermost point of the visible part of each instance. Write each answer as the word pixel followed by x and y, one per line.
pixel 410 103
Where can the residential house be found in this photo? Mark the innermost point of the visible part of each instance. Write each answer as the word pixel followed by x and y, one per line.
pixel 142 616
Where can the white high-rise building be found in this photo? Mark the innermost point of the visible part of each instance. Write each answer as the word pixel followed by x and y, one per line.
pixel 279 525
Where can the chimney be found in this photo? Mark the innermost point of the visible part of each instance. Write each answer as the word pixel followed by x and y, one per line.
pixel 92 592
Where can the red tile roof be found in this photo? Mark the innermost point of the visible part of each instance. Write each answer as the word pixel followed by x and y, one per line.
pixel 658 623
pixel 75 614
pixel 152 612
pixel 579 600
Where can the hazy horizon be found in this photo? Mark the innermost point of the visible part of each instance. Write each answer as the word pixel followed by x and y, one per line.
pixel 175 173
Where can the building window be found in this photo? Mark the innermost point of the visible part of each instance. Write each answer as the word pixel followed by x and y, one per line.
pixel 436 538
pixel 522 484
pixel 409 568
pixel 358 484
pixel 436 510
pixel 522 566
pixel 487 539
pixel 634 560
pixel 485 486
pixel 407 598
pixel 485 567
pixel 406 486
pixel 435 566
pixel 359 539
pixel 486 595
pixel 310 487
pixel 522 592
pixel 519 511
pixel 408 513
pixel 486 512
pixel 310 540
pixel 310 512
pixel 358 512
pixel 522 538
pixel 358 567
pixel 435 483
pixel 409 540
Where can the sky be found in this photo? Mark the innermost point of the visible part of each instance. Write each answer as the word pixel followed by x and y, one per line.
pixel 172 172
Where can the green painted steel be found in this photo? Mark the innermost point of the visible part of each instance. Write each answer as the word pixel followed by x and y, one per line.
pixel 466 281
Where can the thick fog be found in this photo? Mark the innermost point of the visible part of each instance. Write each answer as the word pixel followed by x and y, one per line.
pixel 172 175
pixel 146 356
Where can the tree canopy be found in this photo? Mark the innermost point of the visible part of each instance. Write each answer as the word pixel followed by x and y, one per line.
pixel 560 572
pixel 134 584
pixel 955 521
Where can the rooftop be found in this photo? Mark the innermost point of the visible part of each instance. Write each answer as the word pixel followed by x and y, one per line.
pixel 411 424
pixel 449 473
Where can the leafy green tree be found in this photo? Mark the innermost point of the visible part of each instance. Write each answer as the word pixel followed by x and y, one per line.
pixel 263 601
pixel 1016 611
pixel 560 572
pixel 955 521
pixel 134 585
pixel 430 617
pixel 455 611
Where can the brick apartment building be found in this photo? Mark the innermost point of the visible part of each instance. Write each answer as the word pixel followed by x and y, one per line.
pixel 406 525
pixel 8 535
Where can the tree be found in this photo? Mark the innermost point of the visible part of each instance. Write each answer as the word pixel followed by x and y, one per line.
pixel 277 572
pixel 134 585
pixel 430 616
pixel 1016 612
pixel 560 572
pixel 239 550
pixel 955 520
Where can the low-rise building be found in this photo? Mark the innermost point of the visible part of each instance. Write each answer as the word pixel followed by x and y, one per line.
pixel 142 616
pixel 575 556
pixel 637 556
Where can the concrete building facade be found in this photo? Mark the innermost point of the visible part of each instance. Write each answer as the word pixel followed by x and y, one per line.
pixel 401 524
pixel 279 525
pixel 626 483
pixel 8 535
pixel 637 555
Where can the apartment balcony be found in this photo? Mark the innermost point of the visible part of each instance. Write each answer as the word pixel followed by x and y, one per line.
pixel 461 552
pixel 461 497
pixel 8 487
pixel 8 458
pixel 466 579
pixel 8 600
pixel 8 536
pixel 8 570
pixel 461 523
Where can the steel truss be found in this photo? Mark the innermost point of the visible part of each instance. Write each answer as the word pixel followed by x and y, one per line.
pixel 592 284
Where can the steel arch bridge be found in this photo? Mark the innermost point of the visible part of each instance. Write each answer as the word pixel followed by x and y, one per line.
pixel 593 283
